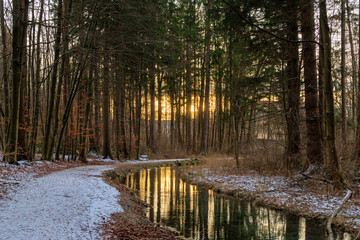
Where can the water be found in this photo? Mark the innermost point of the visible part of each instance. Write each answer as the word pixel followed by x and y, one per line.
pixel 199 213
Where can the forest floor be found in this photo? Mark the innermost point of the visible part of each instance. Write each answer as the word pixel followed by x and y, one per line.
pixel 13 175
pixel 79 204
pixel 67 200
pixel 309 198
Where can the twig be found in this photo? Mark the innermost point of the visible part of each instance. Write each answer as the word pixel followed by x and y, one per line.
pixel 9 181
pixel 314 178
pixel 336 212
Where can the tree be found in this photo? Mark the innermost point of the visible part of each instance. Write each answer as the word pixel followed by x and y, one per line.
pixel 343 75
pixel 5 76
pixel 20 9
pixel 36 88
pixel 293 84
pixel 106 153
pixel 333 160
pixel 47 149
pixel 313 134
pixel 205 132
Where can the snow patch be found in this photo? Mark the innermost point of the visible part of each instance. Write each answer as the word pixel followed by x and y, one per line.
pixel 280 191
pixel 108 160
pixel 158 160
pixel 68 204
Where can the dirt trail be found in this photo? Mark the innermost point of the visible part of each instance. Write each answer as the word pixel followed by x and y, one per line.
pixel 67 204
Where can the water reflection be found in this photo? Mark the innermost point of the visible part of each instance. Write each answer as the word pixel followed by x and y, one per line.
pixel 203 214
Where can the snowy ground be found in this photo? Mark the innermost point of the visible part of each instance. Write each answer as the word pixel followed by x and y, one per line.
pixel 280 192
pixel 157 160
pixel 12 175
pixel 67 204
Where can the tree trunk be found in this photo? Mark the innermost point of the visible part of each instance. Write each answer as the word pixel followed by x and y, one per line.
pixel 138 109
pixel 343 76
pixel 188 99
pixel 353 63
pixel 5 77
pixel 85 123
pixel 22 145
pixel 122 112
pixel 20 9
pixel 36 87
pixel 146 103
pixel 205 132
pixel 357 150
pixel 201 101
pixel 152 108
pixel 97 120
pixel 172 125
pixel 66 12
pixel 313 134
pixel 47 152
pixel 321 93
pixel 293 83
pixel 106 153
pixel 333 162
pixel 159 97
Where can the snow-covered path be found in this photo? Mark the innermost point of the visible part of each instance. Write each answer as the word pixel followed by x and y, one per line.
pixel 62 205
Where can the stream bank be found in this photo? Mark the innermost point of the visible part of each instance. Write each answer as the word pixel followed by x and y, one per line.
pixel 164 199
pixel 133 223
pixel 306 198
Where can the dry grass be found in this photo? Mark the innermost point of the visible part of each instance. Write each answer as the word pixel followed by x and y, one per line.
pixel 269 163
pixel 265 165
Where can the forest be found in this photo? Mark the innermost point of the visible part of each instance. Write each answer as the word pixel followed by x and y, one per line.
pixel 256 99
pixel 275 80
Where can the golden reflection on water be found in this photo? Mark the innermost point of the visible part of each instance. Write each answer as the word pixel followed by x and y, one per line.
pixel 202 214
pixel 302 228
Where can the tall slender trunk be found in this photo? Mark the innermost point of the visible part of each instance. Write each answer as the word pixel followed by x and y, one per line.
pixel 353 64
pixel 159 97
pixel 178 120
pixel 67 6
pixel 219 110
pixel 75 88
pixel 293 83
pixel 313 134
pixel 228 98
pixel 64 61
pixel 146 103
pixel 97 120
pixel 122 111
pixel 343 76
pixel 205 132
pixel 20 9
pixel 50 111
pixel 106 153
pixel 22 144
pixel 333 160
pixel 321 93
pixel 201 100
pixel 36 104
pixel 172 125
pixel 152 108
pixel 138 108
pixel 5 76
pixel 85 123
pixel 357 150
pixel 188 99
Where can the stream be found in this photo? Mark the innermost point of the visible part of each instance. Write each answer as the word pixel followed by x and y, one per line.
pixel 199 213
